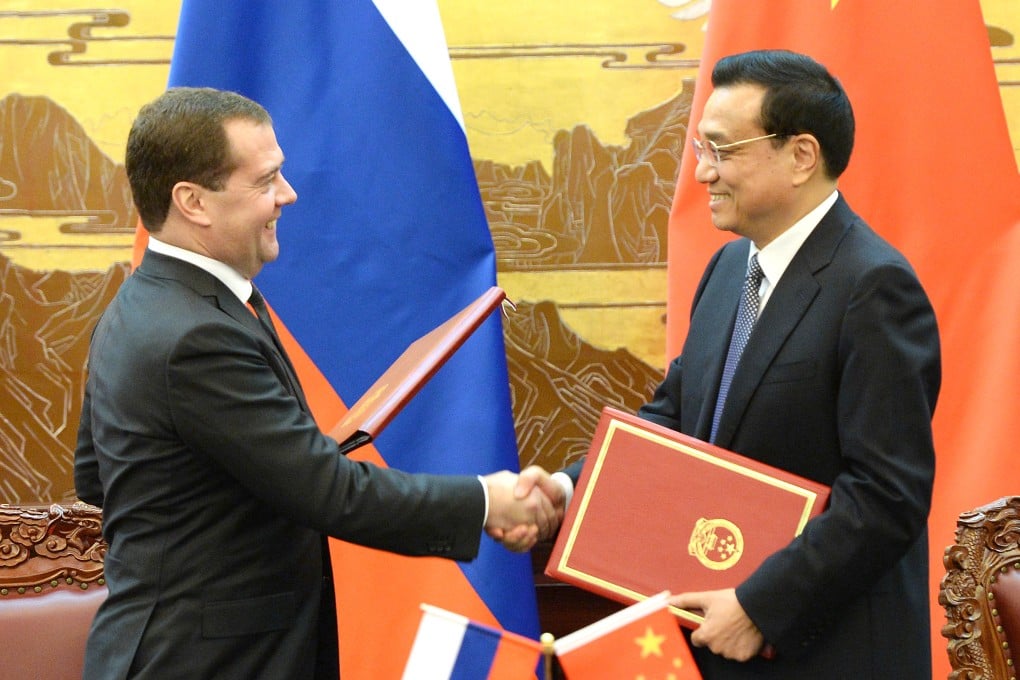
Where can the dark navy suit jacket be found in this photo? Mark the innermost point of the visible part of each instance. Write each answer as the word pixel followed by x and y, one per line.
pixel 838 383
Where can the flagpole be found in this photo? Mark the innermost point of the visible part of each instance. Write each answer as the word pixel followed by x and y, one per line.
pixel 548 651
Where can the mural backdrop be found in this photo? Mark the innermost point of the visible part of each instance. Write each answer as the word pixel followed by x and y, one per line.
pixel 576 116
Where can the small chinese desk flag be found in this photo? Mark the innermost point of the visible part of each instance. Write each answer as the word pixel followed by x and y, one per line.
pixel 643 640
pixel 449 646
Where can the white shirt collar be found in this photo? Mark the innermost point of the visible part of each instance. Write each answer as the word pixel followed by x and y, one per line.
pixel 777 255
pixel 238 285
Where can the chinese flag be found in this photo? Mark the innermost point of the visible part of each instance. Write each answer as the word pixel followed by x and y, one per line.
pixel 933 171
pixel 642 641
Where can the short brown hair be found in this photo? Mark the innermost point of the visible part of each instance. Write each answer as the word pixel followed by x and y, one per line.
pixel 180 137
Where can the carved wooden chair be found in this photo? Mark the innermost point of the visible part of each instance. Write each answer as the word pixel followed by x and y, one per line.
pixel 51 583
pixel 981 592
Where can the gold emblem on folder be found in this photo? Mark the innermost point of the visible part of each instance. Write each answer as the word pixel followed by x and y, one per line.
pixel 716 543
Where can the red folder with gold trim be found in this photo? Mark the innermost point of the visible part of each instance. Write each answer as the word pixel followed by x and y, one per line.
pixel 658 510
pixel 409 373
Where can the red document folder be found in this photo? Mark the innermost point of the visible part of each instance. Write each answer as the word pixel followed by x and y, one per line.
pixel 412 369
pixel 657 510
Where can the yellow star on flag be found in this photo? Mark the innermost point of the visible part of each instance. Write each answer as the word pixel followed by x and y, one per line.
pixel 650 643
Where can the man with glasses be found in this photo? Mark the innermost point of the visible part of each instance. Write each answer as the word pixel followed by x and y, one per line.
pixel 837 381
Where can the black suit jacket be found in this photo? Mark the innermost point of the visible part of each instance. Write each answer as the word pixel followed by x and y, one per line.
pixel 837 383
pixel 217 489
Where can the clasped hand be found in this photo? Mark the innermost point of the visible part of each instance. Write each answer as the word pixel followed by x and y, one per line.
pixel 523 509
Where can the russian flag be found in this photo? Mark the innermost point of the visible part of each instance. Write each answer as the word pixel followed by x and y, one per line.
pixel 449 646
pixel 388 239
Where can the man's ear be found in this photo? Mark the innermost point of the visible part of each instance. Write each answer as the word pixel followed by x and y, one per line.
pixel 807 158
pixel 189 200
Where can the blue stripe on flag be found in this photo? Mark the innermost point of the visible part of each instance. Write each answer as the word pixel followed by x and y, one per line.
pixel 388 237
pixel 477 651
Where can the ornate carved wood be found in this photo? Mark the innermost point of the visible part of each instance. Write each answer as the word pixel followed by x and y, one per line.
pixel 982 568
pixel 44 547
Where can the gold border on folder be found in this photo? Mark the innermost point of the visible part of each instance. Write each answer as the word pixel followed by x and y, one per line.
pixel 614 425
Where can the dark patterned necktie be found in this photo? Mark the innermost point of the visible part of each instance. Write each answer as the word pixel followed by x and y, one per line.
pixel 747 314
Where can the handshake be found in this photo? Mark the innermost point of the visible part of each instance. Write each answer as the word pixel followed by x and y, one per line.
pixel 524 508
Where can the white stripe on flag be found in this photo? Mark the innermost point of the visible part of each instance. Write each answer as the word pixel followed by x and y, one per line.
pixel 419 27
pixel 594 631
pixel 436 644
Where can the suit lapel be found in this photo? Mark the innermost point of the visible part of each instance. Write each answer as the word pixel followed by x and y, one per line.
pixel 715 311
pixel 268 330
pixel 229 303
pixel 213 290
pixel 787 306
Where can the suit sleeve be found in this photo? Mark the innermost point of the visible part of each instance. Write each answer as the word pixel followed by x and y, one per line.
pixel 664 408
pixel 86 466
pixel 665 405
pixel 233 412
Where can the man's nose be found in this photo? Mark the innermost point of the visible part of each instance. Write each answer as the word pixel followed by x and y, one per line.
pixel 704 171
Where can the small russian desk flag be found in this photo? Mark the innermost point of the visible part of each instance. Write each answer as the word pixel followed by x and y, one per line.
pixel 449 646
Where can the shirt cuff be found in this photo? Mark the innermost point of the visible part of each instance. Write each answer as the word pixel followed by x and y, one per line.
pixel 485 493
pixel 564 481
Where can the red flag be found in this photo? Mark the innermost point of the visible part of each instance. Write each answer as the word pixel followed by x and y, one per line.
pixel 933 172
pixel 643 640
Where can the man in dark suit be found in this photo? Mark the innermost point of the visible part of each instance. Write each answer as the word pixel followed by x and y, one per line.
pixel 217 487
pixel 837 382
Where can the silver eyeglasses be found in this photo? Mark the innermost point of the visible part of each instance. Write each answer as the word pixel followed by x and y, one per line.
pixel 713 150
